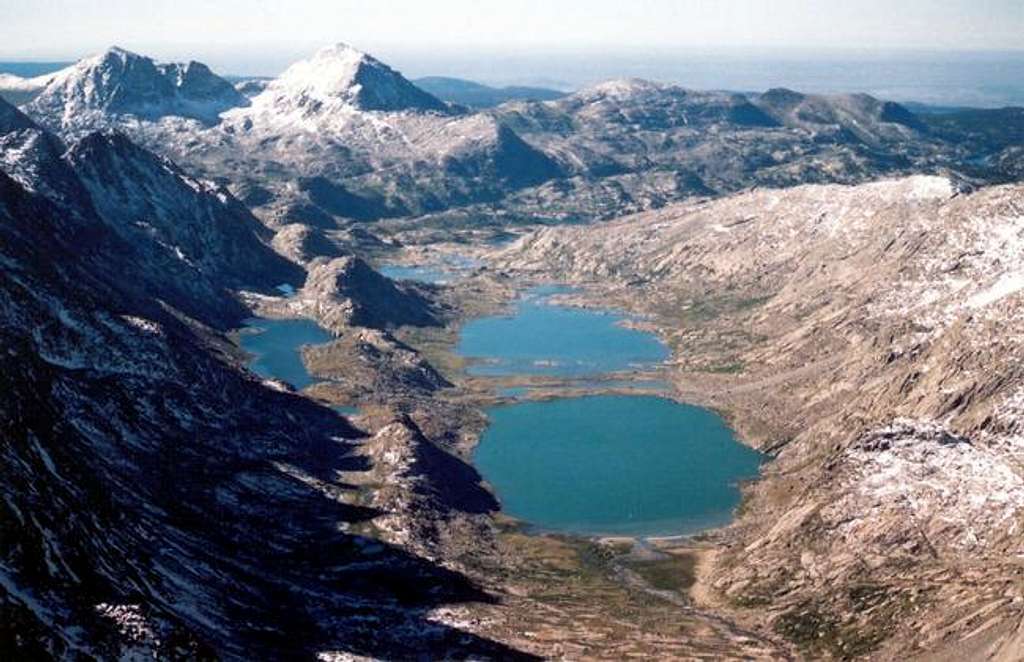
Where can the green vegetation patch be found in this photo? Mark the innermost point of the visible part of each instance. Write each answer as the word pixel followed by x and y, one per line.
pixel 675 573
pixel 726 368
pixel 818 631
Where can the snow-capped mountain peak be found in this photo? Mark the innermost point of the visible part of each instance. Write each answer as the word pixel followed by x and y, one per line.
pixel 341 75
pixel 621 88
pixel 120 82
pixel 330 72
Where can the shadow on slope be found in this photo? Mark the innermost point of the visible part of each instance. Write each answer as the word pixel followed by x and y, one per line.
pixel 157 499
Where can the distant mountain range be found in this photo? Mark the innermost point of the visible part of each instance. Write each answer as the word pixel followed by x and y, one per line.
pixel 343 137
pixel 478 95
pixel 31 69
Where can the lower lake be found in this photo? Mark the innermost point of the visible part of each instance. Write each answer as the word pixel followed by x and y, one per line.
pixel 615 465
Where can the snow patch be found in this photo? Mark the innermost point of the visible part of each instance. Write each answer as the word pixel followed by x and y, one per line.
pixel 141 635
pixel 925 187
pixel 142 324
pixel 1008 284
pixel 941 481
pixel 330 72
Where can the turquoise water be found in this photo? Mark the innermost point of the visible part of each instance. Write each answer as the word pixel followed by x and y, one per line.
pixel 627 465
pixel 547 339
pixel 276 347
pixel 445 272
pixel 423 274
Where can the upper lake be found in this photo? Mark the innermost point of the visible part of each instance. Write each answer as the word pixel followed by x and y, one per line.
pixel 549 339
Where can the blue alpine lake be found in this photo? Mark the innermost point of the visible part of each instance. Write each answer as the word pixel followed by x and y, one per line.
pixel 540 338
pixel 614 465
pixel 638 465
pixel 276 347
pixel 444 271
pixel 423 274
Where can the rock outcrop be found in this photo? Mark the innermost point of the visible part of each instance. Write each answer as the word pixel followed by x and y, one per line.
pixel 347 291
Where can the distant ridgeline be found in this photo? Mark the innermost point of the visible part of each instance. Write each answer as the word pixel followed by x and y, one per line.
pixel 343 138
pixel 30 69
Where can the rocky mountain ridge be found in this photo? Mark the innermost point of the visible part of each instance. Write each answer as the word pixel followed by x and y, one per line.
pixel 383 148
pixel 182 239
pixel 118 82
pixel 859 333
pixel 477 95
pixel 161 501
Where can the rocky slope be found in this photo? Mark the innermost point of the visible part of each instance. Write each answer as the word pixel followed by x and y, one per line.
pixel 202 223
pixel 159 501
pixel 864 336
pixel 183 240
pixel 118 83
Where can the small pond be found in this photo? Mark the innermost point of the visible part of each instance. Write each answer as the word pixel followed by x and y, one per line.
pixel 276 347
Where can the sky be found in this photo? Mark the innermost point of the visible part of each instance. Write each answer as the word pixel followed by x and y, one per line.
pixel 945 52
pixel 254 36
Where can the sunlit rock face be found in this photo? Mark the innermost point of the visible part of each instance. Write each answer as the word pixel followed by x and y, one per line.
pixel 118 82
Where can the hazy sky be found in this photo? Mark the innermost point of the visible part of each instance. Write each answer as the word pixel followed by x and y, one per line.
pixel 249 36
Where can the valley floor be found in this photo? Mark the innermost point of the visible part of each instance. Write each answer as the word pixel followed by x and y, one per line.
pixel 557 596
pixel 886 524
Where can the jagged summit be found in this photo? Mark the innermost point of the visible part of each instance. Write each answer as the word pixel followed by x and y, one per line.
pixel 341 75
pixel 120 82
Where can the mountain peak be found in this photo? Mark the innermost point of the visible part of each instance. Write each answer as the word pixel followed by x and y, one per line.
pixel 117 52
pixel 341 74
pixel 120 82
pixel 620 88
pixel 114 57
pixel 341 50
pixel 330 72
